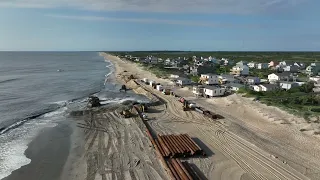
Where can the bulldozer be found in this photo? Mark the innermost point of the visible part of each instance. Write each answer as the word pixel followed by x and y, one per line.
pixel 126 113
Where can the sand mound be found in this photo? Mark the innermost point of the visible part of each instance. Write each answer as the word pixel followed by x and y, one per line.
pixel 132 84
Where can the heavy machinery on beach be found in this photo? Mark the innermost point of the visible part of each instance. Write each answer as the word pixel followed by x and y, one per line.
pixel 126 113
pixel 186 105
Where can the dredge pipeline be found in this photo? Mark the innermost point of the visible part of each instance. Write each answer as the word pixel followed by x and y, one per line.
pixel 173 146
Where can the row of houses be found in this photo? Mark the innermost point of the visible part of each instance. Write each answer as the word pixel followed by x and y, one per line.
pixel 241 68
pixel 288 66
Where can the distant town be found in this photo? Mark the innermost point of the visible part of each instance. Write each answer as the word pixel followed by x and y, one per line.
pixel 291 83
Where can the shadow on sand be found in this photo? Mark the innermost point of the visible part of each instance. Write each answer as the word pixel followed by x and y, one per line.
pixel 204 147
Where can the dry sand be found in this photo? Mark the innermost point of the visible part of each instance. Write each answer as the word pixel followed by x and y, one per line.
pixel 111 148
pixel 252 142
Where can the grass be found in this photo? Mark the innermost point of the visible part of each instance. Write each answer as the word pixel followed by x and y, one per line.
pixel 296 102
pixel 159 71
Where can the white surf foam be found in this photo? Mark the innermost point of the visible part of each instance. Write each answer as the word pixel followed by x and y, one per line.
pixel 107 75
pixel 58 112
pixel 120 100
pixel 15 142
pixel 60 103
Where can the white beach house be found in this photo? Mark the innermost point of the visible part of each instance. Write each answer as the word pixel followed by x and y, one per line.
pixel 209 79
pixel 288 85
pixel 213 91
pixel 274 77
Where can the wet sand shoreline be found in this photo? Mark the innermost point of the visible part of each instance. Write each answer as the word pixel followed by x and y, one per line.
pixel 48 153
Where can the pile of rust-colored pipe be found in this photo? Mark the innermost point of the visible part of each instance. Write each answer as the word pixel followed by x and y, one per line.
pixel 182 170
pixel 177 146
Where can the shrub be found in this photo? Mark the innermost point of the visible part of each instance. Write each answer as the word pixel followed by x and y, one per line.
pixel 315 109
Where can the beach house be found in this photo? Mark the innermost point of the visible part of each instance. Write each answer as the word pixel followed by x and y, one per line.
pixel 213 91
pixel 288 85
pixel 256 88
pixel 209 79
pixel 152 60
pixel 183 81
pixel 268 87
pixel 274 77
pixel 264 87
pixel 313 69
pixel 252 80
pixel 235 86
pixel 198 70
pixel 262 66
pixel 291 68
pixel 252 64
pixel 198 90
pixel 227 78
pixel 316 88
pixel 240 68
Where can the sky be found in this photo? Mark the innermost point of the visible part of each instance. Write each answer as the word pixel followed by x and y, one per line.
pixel 125 25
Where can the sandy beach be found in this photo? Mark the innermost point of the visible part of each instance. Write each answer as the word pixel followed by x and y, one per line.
pixel 254 141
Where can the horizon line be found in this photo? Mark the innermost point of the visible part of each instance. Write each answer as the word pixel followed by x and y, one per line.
pixel 155 51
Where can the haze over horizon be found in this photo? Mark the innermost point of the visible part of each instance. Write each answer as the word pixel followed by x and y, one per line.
pixel 202 25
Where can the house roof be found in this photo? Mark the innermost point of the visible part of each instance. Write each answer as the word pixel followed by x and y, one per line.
pixel 251 77
pixel 209 74
pixel 211 87
pixel 235 85
pixel 242 62
pixel 288 63
pixel 269 86
pixel 227 76
pixel 182 78
pixel 288 82
pixel 283 74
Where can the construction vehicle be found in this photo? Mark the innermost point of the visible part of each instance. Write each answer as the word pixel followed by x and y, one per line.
pixel 166 91
pixel 172 93
pixel 126 113
pixel 188 105
pixel 123 88
pixel 144 108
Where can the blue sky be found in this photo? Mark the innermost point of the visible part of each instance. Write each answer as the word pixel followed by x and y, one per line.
pixel 209 25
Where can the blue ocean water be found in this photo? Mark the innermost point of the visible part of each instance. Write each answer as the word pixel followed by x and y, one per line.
pixel 36 89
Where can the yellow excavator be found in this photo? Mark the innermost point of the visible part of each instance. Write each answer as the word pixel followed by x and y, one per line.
pixel 126 113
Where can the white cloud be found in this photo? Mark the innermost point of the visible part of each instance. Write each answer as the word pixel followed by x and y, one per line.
pixel 157 21
pixel 206 6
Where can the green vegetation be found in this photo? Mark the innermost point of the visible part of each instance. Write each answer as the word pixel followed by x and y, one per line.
pixel 299 100
pixel 237 56
pixel 261 73
pixel 222 69
pixel 158 70
pixel 195 78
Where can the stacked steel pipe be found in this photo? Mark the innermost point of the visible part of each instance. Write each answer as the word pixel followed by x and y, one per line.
pixel 182 170
pixel 177 146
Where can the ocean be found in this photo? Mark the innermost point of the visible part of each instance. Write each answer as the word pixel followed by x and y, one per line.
pixel 38 89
